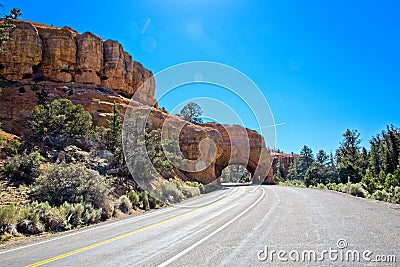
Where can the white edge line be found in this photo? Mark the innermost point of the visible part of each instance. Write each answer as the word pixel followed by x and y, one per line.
pixel 188 249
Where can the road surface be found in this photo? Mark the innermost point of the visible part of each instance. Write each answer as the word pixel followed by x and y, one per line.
pixel 238 226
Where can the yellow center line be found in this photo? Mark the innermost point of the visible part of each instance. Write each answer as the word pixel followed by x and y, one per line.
pixel 95 245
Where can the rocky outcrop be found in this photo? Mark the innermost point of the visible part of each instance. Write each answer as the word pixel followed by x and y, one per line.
pixel 22 52
pixel 38 52
pixel 215 146
pixel 97 74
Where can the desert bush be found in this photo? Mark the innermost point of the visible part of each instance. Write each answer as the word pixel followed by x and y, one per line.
pixel 91 215
pixel 73 214
pixel 12 147
pixel 109 209
pixel 134 198
pixel 8 219
pixel 153 202
pixel 169 193
pixel 23 167
pixel 144 200
pixel 71 183
pixel 55 123
pixel 380 195
pixel 204 189
pixel 333 186
pixel 321 186
pixel 189 192
pixel 357 190
pixel 125 204
pixel 345 188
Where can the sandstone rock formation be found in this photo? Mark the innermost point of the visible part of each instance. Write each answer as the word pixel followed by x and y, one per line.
pixel 22 52
pixel 97 74
pixel 39 52
pixel 213 145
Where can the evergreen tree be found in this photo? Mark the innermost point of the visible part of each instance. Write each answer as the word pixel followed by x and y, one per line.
pixel 375 156
pixel 305 161
pixel 192 112
pixel 349 158
pixel 293 169
pixel 114 133
pixel 332 175
pixel 59 121
pixel 364 160
pixel 280 170
pixel 322 158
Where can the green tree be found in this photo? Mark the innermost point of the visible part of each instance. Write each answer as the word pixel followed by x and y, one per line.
pixel 332 175
pixel 293 169
pixel 322 158
pixel 15 13
pixel 369 182
pixel 192 112
pixel 306 159
pixel 349 158
pixel 280 170
pixel 114 132
pixel 58 122
pixel 376 156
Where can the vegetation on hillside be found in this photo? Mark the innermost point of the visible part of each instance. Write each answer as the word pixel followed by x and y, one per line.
pixel 373 173
pixel 75 173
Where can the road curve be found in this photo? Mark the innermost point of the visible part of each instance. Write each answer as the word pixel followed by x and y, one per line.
pixel 238 226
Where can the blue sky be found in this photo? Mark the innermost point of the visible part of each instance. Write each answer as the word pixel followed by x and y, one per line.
pixel 323 66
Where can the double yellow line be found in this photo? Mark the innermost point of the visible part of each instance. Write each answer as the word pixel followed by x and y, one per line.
pixel 95 245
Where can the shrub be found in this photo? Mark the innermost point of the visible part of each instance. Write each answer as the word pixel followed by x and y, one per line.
pixel 71 183
pixel 22 167
pixel 54 220
pixel 152 202
pixel 333 186
pixel 189 192
pixel 91 215
pixel 125 204
pixel 380 195
pixel 109 209
pixel 59 120
pixel 13 147
pixel 357 190
pixel 204 189
pixel 345 188
pixel 144 200
pixel 8 219
pixel 134 198
pixel 169 192
pixel 321 186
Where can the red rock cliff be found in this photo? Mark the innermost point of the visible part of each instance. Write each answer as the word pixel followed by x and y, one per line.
pixel 38 52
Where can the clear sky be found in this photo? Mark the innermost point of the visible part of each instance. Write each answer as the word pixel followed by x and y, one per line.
pixel 323 66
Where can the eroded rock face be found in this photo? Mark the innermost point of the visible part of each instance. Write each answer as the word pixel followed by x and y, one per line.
pixel 89 58
pixel 38 52
pixel 213 145
pixel 59 53
pixel 21 52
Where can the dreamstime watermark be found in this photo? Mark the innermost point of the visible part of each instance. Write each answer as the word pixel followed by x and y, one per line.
pixel 341 253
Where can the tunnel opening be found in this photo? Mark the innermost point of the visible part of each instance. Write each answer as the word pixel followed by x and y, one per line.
pixel 235 174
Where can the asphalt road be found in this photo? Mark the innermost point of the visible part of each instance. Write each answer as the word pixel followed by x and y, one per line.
pixel 238 226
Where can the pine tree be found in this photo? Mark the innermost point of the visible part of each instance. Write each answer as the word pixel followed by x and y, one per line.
pixel 280 170
pixel 293 169
pixel 349 157
pixel 305 161
pixel 322 157
pixel 114 135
